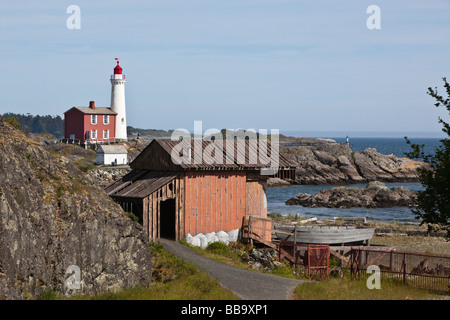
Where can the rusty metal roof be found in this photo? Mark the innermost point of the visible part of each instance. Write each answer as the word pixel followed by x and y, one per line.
pixel 139 184
pixel 232 156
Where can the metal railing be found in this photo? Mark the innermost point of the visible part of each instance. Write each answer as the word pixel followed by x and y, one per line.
pixel 413 269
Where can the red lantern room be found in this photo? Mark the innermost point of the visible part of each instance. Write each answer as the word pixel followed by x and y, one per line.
pixel 118 69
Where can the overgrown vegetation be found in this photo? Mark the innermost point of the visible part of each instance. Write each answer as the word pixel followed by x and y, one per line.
pixel 337 289
pixel 334 288
pixel 236 254
pixel 172 279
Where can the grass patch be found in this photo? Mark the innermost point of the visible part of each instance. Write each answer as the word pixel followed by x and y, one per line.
pixel 337 289
pixel 132 216
pixel 87 167
pixel 231 254
pixel 219 247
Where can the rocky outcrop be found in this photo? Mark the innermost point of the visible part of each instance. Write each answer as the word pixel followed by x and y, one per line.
pixel 277 182
pixel 58 230
pixel 336 163
pixel 105 176
pixel 374 195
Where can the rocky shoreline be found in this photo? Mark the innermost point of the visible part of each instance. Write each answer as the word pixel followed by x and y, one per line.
pixel 336 163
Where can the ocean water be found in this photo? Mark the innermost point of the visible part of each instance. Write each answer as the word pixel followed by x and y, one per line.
pixel 395 146
pixel 277 196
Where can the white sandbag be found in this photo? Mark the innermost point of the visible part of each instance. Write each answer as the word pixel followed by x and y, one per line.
pixel 194 241
pixel 223 237
pixel 203 240
pixel 234 235
pixel 188 238
pixel 212 237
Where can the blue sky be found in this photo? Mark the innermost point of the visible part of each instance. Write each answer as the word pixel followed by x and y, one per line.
pixel 264 64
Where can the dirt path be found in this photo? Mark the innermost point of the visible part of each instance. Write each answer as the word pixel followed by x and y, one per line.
pixel 246 284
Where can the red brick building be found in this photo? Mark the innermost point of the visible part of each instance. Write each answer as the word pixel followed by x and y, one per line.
pixel 90 124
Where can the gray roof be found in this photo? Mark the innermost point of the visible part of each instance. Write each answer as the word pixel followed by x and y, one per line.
pixel 139 184
pixel 112 148
pixel 97 110
pixel 208 163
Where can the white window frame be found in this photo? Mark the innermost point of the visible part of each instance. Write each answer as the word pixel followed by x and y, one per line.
pixel 93 134
pixel 106 117
pixel 105 134
pixel 93 119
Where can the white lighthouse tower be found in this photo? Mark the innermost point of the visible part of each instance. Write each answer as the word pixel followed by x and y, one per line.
pixel 118 102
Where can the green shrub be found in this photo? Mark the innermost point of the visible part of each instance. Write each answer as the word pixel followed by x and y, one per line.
pixel 219 247
pixel 49 295
pixel 132 216
pixel 87 167
pixel 13 121
pixel 275 215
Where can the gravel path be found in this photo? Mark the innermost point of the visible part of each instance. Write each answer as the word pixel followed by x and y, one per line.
pixel 246 284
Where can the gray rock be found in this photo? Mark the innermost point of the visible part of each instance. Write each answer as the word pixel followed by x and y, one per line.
pixel 53 217
pixel 337 163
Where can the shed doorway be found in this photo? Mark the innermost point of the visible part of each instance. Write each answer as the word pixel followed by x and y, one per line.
pixel 167 219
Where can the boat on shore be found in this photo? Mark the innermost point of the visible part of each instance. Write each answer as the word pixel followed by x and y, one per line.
pixel 333 235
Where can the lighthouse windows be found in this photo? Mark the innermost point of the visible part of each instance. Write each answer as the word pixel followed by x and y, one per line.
pixel 122 120
pixel 93 119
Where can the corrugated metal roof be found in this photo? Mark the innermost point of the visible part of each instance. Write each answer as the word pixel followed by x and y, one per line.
pixel 112 148
pixel 239 158
pixel 139 184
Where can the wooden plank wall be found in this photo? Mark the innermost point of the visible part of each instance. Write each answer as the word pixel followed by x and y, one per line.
pixel 151 209
pixel 215 201
pixel 154 157
pixel 256 205
pixel 207 202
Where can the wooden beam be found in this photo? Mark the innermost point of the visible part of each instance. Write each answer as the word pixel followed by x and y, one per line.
pixel 336 254
pixel 145 215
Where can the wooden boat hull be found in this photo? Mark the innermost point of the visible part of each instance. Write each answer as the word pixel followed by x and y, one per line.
pixel 326 234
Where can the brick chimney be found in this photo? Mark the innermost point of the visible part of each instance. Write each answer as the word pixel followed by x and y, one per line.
pixel 92 104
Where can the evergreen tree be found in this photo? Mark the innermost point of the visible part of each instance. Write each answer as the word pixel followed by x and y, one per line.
pixel 38 124
pixel 434 201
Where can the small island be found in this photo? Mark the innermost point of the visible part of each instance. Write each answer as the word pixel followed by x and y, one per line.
pixel 374 195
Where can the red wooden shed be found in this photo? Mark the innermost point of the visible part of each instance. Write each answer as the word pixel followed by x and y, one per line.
pixel 172 200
